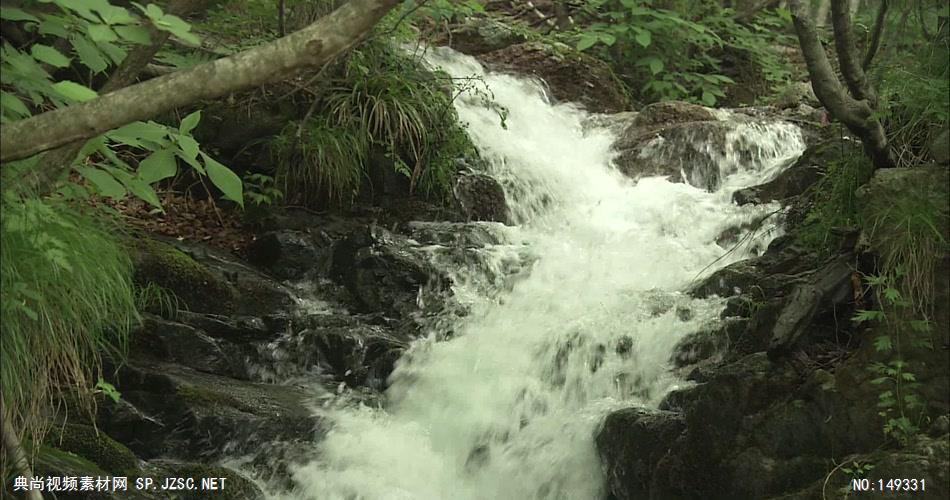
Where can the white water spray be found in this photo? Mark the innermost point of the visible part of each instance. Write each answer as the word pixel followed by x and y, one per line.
pixel 508 408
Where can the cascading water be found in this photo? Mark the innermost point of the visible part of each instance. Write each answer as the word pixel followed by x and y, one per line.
pixel 508 407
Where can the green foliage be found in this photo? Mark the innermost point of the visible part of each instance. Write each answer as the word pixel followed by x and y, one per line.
pixel 900 405
pixel 261 190
pixel 97 36
pixel 326 160
pixel 677 55
pixel 833 201
pixel 858 470
pixel 67 295
pixel 383 100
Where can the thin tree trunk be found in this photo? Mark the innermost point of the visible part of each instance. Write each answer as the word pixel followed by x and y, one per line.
pixel 876 33
pixel 311 46
pixel 848 59
pixel 855 114
pixel 14 450
pixel 821 14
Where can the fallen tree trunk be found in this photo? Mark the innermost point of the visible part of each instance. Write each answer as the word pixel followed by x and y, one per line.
pixel 311 46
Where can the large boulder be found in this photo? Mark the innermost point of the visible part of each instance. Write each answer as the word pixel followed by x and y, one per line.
pixel 388 274
pixel 288 254
pixel 686 144
pixel 570 75
pixel 480 198
pixel 631 443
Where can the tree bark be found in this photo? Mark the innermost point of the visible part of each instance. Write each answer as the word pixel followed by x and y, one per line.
pixel 821 13
pixel 855 114
pixel 848 59
pixel 14 450
pixel 310 46
pixel 876 33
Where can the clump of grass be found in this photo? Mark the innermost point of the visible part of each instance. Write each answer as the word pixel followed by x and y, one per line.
pixel 834 202
pixel 67 296
pixel 326 160
pixel 382 99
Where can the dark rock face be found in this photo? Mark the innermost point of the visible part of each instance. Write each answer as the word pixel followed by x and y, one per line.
pixel 571 76
pixel 183 344
pixel 388 274
pixel 765 420
pixel 477 36
pixel 631 443
pixel 290 254
pixel 664 114
pixel 480 198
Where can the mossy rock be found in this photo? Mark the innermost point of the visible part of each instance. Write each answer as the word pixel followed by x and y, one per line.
pixel 234 486
pixel 194 285
pixel 97 447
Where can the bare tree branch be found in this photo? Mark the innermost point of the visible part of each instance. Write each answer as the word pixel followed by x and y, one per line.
pixel 876 34
pixel 845 47
pixel 311 46
pixel 855 114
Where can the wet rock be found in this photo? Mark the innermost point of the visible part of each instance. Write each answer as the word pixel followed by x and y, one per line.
pixel 234 329
pixel 53 462
pixel 88 442
pixel 290 254
pixel 479 35
pixel 233 485
pixel 206 414
pixel 170 341
pixel 480 198
pixel 700 153
pixel 140 432
pixel 571 76
pixel 631 443
pixel 664 114
pixel 387 273
pixel 792 181
pixel 795 94
pixel 206 280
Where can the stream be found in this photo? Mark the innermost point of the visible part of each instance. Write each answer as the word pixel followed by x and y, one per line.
pixel 506 407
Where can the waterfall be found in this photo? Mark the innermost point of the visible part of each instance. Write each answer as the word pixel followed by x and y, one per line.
pixel 508 406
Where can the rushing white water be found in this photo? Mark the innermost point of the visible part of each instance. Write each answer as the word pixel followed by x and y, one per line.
pixel 508 408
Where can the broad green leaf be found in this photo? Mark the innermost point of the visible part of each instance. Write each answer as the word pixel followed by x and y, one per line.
pixel 154 12
pixel 587 41
pixel 654 63
pixel 159 165
pixel 134 34
pixel 15 14
pixel 644 38
pixel 49 55
pixel 113 51
pixel 225 180
pixel 608 39
pixel 74 91
pixel 112 14
pixel 54 25
pixel 189 146
pixel 145 192
pixel 708 98
pixel 178 27
pixel 101 33
pixel 189 122
pixel 14 104
pixel 104 182
pixel 89 54
pixel 134 133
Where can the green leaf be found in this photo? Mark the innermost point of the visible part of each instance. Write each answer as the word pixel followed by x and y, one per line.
pixel 883 343
pixel 134 133
pixel 101 33
pixel 587 41
pixel 643 37
pixel 104 182
pixel 654 63
pixel 134 34
pixel 178 27
pixel 189 122
pixel 53 25
pixel 113 51
pixel 189 146
pixel 225 180
pixel 49 55
pixel 15 14
pixel 708 98
pixel 159 165
pixel 74 91
pixel 14 105
pixel 112 14
pixel 89 54
pixel 607 39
